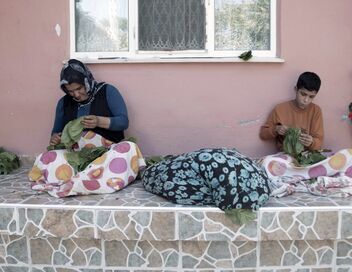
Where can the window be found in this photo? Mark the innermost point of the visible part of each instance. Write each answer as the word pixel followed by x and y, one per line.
pixel 172 29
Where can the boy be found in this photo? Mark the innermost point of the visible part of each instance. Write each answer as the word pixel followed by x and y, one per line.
pixel 298 113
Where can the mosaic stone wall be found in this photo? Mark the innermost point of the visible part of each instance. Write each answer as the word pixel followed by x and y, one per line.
pixel 174 225
pixel 20 253
pixel 133 230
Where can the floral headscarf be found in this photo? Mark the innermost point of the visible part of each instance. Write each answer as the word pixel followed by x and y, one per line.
pixel 75 71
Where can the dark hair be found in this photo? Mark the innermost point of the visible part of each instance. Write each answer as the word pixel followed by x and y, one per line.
pixel 310 81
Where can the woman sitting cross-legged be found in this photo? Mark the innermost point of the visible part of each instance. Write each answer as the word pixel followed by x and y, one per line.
pixel 103 118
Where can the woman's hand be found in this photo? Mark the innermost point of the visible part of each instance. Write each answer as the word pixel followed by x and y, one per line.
pixel 281 129
pixel 305 139
pixel 55 139
pixel 90 121
pixel 93 121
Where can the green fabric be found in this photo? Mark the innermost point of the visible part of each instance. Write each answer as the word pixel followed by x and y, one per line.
pixel 72 132
pixel 8 162
pixel 295 148
pixel 79 160
pixel 240 216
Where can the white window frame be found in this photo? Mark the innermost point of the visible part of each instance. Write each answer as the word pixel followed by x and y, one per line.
pixel 207 55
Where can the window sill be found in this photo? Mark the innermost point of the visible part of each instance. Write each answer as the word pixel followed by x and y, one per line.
pixel 182 60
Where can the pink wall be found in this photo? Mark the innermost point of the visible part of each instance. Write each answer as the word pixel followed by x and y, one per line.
pixel 175 108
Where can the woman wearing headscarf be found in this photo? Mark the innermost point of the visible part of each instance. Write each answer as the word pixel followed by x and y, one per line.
pixel 103 115
pixel 101 104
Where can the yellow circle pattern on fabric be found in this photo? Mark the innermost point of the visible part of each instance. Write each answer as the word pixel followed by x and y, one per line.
pixel 116 183
pixel 63 172
pixel 349 150
pixel 139 153
pixel 35 173
pixel 100 160
pixel 337 161
pixel 96 173
pixel 134 164
pixel 106 142
pixel 89 135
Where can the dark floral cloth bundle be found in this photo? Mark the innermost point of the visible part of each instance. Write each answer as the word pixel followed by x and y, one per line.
pixel 221 177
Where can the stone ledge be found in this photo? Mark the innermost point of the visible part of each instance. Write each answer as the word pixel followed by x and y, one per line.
pixel 133 230
pixel 78 254
pixel 134 214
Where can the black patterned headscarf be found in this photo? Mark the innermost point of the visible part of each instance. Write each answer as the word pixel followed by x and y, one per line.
pixel 75 71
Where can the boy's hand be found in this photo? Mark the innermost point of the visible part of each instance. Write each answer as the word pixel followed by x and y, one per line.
pixel 55 139
pixel 90 121
pixel 281 129
pixel 305 139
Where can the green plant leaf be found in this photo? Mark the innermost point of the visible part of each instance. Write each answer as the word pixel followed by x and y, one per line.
pixel 79 160
pixel 72 132
pixel 240 216
pixel 291 144
pixel 246 55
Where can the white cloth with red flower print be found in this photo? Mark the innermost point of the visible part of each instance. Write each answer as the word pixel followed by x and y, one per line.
pixel 331 177
pixel 112 171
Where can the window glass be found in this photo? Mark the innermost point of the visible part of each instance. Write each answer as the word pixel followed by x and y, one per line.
pixel 171 25
pixel 242 24
pixel 101 26
pixel 136 29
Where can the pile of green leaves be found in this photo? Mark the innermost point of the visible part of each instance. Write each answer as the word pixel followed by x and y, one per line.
pixel 291 144
pixel 79 160
pixel 240 216
pixel 310 157
pixel 295 148
pixel 8 162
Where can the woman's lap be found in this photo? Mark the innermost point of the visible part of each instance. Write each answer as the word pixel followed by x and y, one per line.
pixel 110 172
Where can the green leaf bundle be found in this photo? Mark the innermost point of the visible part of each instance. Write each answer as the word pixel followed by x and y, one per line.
pixel 70 135
pixel 291 144
pixel 295 148
pixel 310 157
pixel 72 132
pixel 8 162
pixel 152 160
pixel 79 160
pixel 240 216
pixel 56 147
